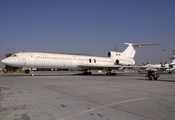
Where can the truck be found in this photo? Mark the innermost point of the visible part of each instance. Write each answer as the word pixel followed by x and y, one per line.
pixel 152 75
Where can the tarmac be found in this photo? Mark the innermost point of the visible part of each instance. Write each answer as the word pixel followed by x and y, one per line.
pixel 73 96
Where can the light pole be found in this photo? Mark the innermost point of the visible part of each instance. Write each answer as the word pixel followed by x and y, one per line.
pixel 163 55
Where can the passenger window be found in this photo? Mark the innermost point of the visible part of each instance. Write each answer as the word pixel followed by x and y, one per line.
pixel 94 61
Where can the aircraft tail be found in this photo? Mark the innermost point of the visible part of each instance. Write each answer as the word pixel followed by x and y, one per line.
pixel 173 60
pixel 131 49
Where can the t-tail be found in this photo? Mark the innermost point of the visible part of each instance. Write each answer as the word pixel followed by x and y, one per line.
pixel 173 58
pixel 129 52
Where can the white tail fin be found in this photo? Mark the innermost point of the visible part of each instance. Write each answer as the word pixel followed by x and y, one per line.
pixel 131 49
pixel 173 58
pixel 174 61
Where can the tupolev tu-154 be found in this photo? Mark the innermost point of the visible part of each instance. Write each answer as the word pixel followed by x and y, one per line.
pixel 114 60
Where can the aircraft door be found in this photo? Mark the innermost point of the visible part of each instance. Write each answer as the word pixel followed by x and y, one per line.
pixel 30 62
pixel 23 63
pixel 74 62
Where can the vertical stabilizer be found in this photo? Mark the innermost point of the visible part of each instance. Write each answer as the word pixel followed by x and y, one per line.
pixel 131 49
pixel 174 61
pixel 173 53
pixel 173 58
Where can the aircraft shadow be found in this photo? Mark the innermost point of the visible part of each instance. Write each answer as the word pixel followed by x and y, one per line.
pixel 67 74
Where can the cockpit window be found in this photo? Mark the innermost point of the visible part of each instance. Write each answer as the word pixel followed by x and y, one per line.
pixel 15 55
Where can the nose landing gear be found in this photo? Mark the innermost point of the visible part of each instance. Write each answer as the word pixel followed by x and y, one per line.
pixel 31 72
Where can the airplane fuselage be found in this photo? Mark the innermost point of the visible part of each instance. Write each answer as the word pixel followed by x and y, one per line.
pixel 62 61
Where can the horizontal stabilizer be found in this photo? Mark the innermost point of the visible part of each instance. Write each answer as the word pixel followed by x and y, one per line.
pixel 172 58
pixel 131 49
pixel 139 45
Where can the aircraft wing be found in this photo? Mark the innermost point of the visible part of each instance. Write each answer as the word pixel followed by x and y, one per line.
pixel 101 67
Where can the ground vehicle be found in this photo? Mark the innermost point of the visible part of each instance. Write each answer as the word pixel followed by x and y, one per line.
pixel 152 75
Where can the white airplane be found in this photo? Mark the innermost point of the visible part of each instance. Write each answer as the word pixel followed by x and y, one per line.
pixel 171 66
pixel 114 60
pixel 155 65
pixel 162 67
pixel 172 58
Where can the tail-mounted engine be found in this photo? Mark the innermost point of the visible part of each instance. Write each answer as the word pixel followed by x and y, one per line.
pixel 119 58
pixel 117 62
pixel 113 54
pixel 121 62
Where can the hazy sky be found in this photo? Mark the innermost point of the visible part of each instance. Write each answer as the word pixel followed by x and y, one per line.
pixel 88 26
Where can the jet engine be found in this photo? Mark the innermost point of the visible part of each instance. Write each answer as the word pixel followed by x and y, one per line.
pixel 117 62
pixel 113 54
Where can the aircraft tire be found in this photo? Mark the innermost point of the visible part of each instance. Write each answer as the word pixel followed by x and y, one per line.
pixel 32 75
pixel 110 74
pixel 114 74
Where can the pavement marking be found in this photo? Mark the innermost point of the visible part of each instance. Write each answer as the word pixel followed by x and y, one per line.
pixel 159 115
pixel 125 101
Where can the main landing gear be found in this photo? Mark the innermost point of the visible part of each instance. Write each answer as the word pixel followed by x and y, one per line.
pixel 87 72
pixel 109 73
pixel 31 72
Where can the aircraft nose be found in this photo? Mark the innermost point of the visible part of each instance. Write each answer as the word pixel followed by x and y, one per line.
pixel 4 61
pixel 9 61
